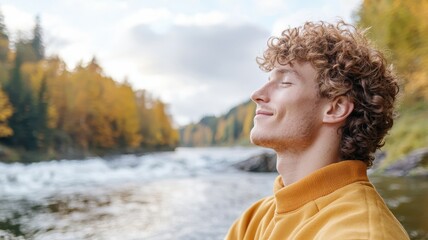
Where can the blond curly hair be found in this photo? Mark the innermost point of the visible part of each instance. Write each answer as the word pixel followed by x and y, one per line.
pixel 347 64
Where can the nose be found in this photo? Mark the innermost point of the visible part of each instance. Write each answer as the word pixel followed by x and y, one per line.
pixel 260 95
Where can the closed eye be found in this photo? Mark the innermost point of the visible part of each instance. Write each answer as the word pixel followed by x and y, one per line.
pixel 286 84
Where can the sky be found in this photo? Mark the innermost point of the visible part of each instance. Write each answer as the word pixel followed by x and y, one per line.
pixel 198 56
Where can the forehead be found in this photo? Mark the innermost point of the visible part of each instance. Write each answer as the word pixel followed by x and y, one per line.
pixel 304 70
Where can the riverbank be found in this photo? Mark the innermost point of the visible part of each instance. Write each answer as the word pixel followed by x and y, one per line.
pixel 413 164
pixel 19 155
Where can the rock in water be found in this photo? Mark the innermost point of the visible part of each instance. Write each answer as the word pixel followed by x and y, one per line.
pixel 265 162
pixel 415 163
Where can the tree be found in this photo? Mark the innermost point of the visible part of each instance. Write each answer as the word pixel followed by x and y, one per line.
pixel 4 40
pixel 4 51
pixel 24 119
pixel 248 120
pixel 401 27
pixel 157 130
pixel 37 41
pixel 231 128
pixel 6 111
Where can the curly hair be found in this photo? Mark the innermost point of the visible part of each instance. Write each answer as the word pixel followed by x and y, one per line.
pixel 347 64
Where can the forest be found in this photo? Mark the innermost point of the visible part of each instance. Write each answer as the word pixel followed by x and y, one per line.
pixel 50 112
pixel 400 29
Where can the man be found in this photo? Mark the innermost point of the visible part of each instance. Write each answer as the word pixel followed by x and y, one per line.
pixel 325 110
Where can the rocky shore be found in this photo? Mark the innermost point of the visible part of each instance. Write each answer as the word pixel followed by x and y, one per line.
pixel 413 164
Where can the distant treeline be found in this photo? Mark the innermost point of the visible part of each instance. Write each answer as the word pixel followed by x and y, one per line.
pixel 232 128
pixel 46 108
pixel 400 29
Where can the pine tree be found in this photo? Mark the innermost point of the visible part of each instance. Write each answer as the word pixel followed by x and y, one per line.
pixel 37 41
pixel 43 132
pixel 24 119
pixel 4 40
pixel 4 51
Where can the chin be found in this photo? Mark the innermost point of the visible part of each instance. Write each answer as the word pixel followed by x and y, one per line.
pixel 258 140
pixel 265 140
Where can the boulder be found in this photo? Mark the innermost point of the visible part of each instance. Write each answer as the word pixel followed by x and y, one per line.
pixel 415 163
pixel 265 162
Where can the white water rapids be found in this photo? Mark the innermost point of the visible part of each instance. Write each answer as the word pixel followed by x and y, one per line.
pixel 191 193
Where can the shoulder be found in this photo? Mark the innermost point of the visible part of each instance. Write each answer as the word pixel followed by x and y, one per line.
pixel 357 211
pixel 251 218
pixel 259 208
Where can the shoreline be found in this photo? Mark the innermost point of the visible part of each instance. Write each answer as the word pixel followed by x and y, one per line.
pixel 17 155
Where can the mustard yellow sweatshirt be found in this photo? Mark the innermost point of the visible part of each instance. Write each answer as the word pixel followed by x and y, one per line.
pixel 334 202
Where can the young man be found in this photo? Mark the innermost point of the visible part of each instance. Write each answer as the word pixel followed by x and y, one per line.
pixel 325 110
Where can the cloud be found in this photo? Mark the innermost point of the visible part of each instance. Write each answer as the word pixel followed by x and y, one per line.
pixel 97 5
pixel 200 19
pixel 200 52
pixel 342 10
pixel 200 69
pixel 270 7
pixel 71 43
pixel 60 38
pixel 161 19
pixel 17 20
pixel 146 16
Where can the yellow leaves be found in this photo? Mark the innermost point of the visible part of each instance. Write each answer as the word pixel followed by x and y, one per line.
pixel 53 116
pixel 156 127
pixel 5 130
pixel 6 112
pixel 401 28
pixel 231 128
pixel 417 85
pixel 249 120
pixel 89 110
pixel 126 113
pixel 57 109
pixel 33 74
pixel 101 113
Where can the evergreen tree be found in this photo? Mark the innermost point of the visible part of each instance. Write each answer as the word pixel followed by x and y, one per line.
pixel 4 51
pixel 24 119
pixel 4 40
pixel 37 41
pixel 43 132
pixel 26 51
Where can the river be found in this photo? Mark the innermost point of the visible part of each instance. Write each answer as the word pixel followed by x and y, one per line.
pixel 191 193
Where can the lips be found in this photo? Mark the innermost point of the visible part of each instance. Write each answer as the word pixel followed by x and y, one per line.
pixel 261 112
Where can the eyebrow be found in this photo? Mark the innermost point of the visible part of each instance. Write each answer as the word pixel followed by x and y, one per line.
pixel 289 70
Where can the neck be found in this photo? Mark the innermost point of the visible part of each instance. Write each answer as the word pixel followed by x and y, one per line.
pixel 295 165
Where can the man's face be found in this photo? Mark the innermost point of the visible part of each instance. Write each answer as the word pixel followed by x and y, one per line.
pixel 289 109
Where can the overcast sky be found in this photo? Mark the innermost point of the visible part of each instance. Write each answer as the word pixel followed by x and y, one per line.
pixel 198 56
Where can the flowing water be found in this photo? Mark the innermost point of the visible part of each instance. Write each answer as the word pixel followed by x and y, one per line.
pixel 191 193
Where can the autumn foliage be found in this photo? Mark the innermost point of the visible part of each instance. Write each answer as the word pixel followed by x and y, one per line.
pixel 232 128
pixel 46 107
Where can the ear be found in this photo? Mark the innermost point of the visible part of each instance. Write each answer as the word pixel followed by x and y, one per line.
pixel 338 110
